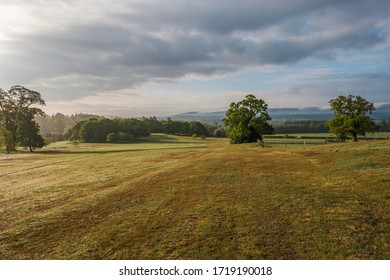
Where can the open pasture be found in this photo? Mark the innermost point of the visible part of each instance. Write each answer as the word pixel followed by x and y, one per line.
pixel 301 139
pixel 183 198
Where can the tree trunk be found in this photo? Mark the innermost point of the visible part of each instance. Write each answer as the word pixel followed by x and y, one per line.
pixel 31 149
pixel 354 135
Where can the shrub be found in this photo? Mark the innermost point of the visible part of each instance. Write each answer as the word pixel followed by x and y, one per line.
pixel 112 137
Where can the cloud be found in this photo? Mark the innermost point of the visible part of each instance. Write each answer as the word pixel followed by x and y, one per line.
pixel 316 89
pixel 71 49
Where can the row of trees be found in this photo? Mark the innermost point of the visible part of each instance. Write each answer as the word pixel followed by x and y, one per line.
pixel 17 118
pixel 100 130
pixel 184 128
pixel 246 121
pixel 58 127
pixel 310 126
pixel 384 126
pixel 301 127
pixel 120 130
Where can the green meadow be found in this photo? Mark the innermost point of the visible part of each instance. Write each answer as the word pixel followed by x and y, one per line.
pixel 316 138
pixel 171 197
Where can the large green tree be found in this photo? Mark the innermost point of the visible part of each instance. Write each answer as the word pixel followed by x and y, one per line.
pixel 17 114
pixel 248 120
pixel 28 131
pixel 351 117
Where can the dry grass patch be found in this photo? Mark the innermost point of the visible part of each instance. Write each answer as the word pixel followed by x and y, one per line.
pixel 180 198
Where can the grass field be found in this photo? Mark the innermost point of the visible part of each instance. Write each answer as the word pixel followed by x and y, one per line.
pixel 369 136
pixel 183 198
pixel 302 139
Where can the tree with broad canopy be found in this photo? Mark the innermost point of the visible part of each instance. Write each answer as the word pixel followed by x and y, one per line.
pixel 248 120
pixel 17 117
pixel 351 117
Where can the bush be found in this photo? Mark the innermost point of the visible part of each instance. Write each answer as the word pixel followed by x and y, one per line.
pixel 112 137
pixel 120 137
pixel 125 137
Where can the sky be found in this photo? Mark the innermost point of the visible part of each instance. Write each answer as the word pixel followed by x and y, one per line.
pixel 158 58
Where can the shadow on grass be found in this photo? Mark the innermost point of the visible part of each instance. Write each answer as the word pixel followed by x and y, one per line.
pixel 82 151
pixel 168 139
pixel 158 138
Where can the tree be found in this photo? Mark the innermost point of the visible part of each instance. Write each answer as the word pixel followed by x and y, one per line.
pixel 95 130
pixel 132 127
pixel 198 128
pixel 154 125
pixel 248 120
pixel 112 137
pixel 220 132
pixel 28 131
pixel 17 116
pixel 6 140
pixel 350 117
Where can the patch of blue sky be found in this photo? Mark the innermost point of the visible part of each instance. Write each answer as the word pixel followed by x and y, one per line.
pixel 267 78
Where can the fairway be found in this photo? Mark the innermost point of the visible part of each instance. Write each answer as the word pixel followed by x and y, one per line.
pixel 173 197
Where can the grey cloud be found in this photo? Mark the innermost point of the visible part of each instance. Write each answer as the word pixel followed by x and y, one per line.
pixel 153 39
pixel 227 16
pixel 372 86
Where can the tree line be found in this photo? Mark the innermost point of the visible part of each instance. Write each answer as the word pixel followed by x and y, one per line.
pixel 124 130
pixel 309 126
pixel 101 130
pixel 58 127
pixel 185 128
pixel 245 121
pixel 384 125
pixel 182 128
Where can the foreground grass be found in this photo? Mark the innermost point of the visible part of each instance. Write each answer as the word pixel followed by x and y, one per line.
pixel 181 198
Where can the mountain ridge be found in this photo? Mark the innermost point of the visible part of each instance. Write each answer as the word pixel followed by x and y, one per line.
pixel 281 114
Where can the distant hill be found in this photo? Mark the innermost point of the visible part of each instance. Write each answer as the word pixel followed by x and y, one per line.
pixel 210 117
pixel 281 114
pixel 309 113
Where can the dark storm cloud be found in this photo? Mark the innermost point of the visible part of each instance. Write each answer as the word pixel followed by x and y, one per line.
pixel 130 43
